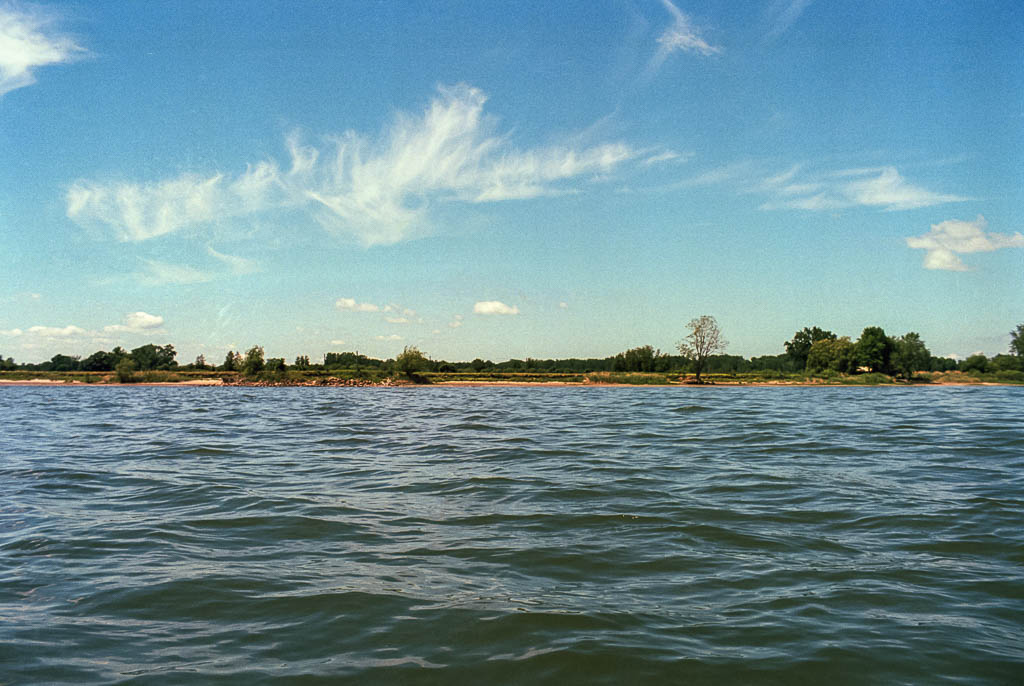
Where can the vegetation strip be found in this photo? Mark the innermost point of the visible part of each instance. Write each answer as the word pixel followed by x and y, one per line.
pixel 813 356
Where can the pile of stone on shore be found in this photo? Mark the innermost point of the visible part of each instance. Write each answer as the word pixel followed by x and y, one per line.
pixel 329 381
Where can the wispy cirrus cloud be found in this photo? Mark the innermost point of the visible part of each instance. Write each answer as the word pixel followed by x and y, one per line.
pixel 377 191
pixel 666 156
pixel 236 265
pixel 947 240
pixel 782 14
pixel 158 273
pixel 881 187
pixel 29 40
pixel 681 35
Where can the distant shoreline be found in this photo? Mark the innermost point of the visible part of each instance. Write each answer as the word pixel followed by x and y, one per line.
pixel 201 383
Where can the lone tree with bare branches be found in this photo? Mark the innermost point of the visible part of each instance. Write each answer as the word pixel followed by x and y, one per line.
pixel 705 339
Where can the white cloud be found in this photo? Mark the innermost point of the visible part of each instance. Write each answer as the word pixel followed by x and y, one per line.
pixel 666 156
pixel 158 273
pixel 494 307
pixel 337 341
pixel 138 212
pixel 404 311
pixel 351 305
pixel 28 41
pixel 378 191
pixel 397 320
pixel 42 337
pixel 456 321
pixel 69 331
pixel 881 187
pixel 718 175
pixel 947 240
pixel 390 337
pixel 563 305
pixel 136 322
pixel 681 35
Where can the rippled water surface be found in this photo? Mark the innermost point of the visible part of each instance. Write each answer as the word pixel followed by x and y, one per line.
pixel 510 535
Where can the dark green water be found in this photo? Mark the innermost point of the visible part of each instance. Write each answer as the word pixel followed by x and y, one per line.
pixel 569 536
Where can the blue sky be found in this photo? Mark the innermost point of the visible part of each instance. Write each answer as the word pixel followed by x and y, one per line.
pixel 507 179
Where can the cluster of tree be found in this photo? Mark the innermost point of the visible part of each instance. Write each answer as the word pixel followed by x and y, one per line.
pixel 817 350
pixel 144 358
pixel 811 349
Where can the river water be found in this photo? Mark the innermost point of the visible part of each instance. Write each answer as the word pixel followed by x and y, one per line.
pixel 511 535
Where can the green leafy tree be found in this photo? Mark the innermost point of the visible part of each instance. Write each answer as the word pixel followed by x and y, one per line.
pixel 411 360
pixel 1017 341
pixel 975 363
pixel 63 363
pixel 800 346
pixel 642 359
pixel 302 362
pixel 253 363
pixel 276 365
pixel 125 370
pixel 909 355
pixel 151 356
pixel 232 362
pixel 1006 363
pixel 200 362
pixel 705 339
pixel 835 355
pixel 874 350
pixel 100 361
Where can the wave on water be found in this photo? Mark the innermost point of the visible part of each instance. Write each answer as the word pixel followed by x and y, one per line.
pixel 637 535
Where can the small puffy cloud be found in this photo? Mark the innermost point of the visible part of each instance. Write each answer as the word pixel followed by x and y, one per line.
pixel 389 337
pixel 494 307
pixel 351 305
pixel 337 341
pixel 563 305
pixel 456 321
pixel 69 331
pixel 142 321
pixel 28 40
pixel 397 320
pixel 378 191
pixel 883 188
pixel 11 333
pixel 947 240
pixel 404 311
pixel 136 322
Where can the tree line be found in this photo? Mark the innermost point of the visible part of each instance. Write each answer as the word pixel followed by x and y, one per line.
pixel 811 350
